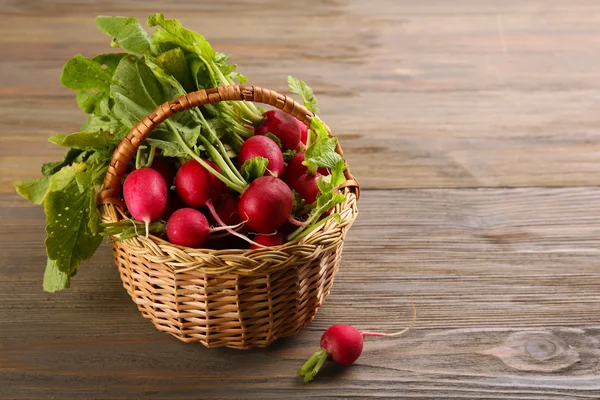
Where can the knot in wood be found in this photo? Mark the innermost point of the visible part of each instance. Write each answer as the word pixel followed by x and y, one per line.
pixel 542 349
pixel 535 351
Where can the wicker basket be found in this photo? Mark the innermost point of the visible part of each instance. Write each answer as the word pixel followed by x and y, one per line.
pixel 233 298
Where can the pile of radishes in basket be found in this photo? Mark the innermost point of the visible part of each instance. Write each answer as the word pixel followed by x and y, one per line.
pixel 280 186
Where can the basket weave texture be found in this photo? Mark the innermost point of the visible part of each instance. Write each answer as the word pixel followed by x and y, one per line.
pixel 233 298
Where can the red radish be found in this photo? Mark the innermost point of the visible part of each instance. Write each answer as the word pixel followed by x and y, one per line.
pixel 227 209
pixel 343 344
pixel 165 168
pixel 145 194
pixel 266 204
pixel 282 125
pixel 195 185
pixel 217 185
pixel 174 203
pixel 262 146
pixel 306 187
pixel 188 227
pixel 303 132
pixel 295 169
pixel 267 240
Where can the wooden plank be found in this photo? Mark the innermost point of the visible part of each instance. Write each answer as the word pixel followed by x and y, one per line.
pixel 473 94
pixel 504 280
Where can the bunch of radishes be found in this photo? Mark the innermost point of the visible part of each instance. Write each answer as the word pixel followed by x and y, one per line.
pixel 190 194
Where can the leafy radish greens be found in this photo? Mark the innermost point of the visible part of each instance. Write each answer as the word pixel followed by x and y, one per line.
pixel 117 90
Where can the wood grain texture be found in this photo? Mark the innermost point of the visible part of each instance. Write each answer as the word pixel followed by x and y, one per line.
pixel 482 266
pixel 441 107
pixel 450 94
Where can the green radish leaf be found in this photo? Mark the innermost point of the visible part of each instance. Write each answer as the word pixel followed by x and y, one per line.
pixel 94 216
pixel 321 152
pixel 173 32
pixel 200 72
pixel 289 154
pixel 34 190
pixel 139 87
pixel 92 78
pixel 328 197
pixel 299 87
pixel 275 139
pixel 254 168
pixel 168 149
pixel 127 33
pixel 109 61
pixel 336 176
pixel 241 78
pixel 90 101
pixel 106 123
pixel 70 156
pixel 69 239
pixel 299 204
pixel 85 140
pixel 173 63
pixel 93 174
pixel 80 73
pixel 55 279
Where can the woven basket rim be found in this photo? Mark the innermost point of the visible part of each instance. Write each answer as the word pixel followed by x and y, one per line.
pixel 156 247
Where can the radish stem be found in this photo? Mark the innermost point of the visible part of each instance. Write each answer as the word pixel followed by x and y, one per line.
pixel 310 368
pixel 138 158
pixel 307 228
pixel 235 186
pixel 213 212
pixel 223 153
pixel 151 156
pixel 295 222
pixel 224 165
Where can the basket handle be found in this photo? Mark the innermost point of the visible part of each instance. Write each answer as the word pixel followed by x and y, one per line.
pixel 129 145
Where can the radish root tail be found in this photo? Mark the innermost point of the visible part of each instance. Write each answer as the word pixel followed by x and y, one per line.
pixel 226 227
pixel 403 331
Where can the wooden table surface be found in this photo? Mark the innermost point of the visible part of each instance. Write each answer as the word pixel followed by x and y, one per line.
pixel 474 129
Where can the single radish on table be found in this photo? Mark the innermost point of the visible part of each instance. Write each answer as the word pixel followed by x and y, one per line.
pixel 262 146
pixel 145 194
pixel 282 125
pixel 188 227
pixel 343 344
